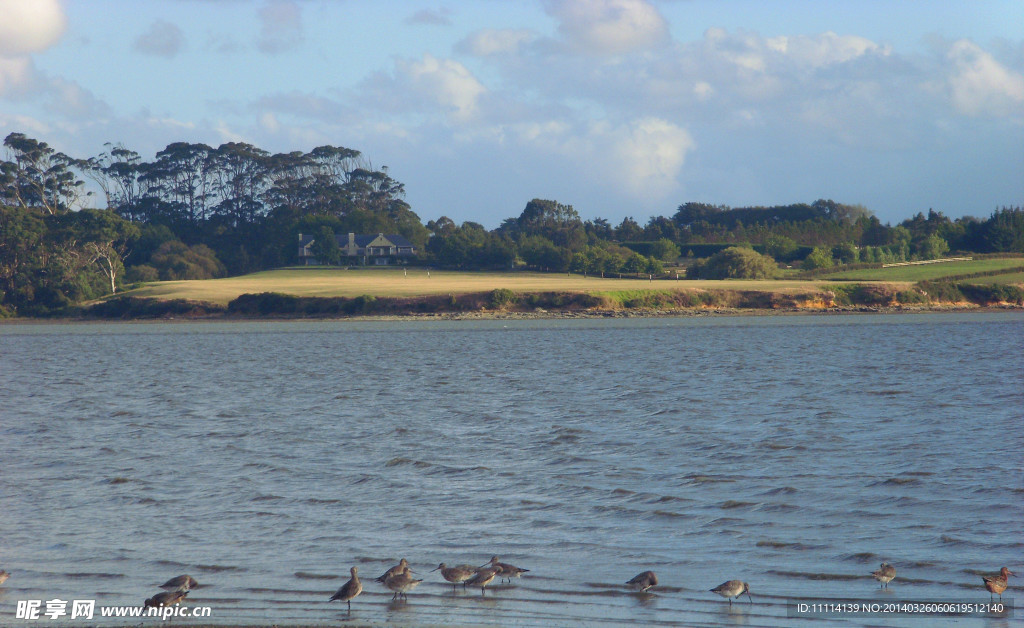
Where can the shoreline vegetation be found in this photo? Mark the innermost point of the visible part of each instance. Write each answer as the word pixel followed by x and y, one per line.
pixel 208 225
pixel 333 292
pixel 504 303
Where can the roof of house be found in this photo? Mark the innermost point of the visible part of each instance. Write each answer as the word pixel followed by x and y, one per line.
pixel 362 239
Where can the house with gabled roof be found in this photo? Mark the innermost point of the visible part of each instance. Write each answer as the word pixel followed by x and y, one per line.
pixel 363 248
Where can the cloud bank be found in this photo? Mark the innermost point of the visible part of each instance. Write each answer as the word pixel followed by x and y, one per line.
pixel 594 104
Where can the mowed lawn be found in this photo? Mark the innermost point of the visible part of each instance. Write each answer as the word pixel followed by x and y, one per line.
pixel 398 282
pixel 928 272
pixel 1013 279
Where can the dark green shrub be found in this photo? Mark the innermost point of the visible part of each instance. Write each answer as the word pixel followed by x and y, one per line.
pixel 502 298
pixel 860 294
pixel 136 307
pixel 941 291
pixel 734 263
pixel 908 297
pixel 820 257
pixel 141 273
pixel 264 303
pixel 992 293
pixel 363 304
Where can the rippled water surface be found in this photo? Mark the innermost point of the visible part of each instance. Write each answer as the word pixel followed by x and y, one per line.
pixel 265 459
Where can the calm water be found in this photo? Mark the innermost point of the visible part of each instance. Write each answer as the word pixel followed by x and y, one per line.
pixel 265 459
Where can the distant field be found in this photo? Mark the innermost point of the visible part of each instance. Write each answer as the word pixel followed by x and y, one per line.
pixel 331 282
pixel 1007 279
pixel 927 272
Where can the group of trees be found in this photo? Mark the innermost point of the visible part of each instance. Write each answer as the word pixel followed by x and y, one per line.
pixel 192 212
pixel 546 236
pixel 48 261
pixel 195 211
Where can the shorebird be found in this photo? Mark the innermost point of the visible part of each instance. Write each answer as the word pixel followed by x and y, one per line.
pixel 643 581
pixel 181 583
pixel 166 598
pixel 4 576
pixel 733 588
pixel 504 569
pixel 401 583
pixel 349 590
pixel 457 574
pixel 997 584
pixel 394 571
pixel 884 574
pixel 483 577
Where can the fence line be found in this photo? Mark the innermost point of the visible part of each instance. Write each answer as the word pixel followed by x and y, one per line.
pixel 929 261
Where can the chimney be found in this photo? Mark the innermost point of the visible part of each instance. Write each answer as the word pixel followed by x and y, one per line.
pixel 352 243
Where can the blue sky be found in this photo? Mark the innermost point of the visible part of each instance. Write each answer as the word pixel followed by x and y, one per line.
pixel 617 107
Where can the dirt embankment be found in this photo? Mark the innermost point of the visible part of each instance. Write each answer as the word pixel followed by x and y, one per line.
pixel 505 304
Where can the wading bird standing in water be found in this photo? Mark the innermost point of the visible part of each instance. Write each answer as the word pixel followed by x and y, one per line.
pixel 483 578
pixel 733 588
pixel 643 581
pixel 998 584
pixel 349 590
pixel 181 583
pixel 166 598
pixel 456 575
pixel 884 575
pixel 504 569
pixel 394 571
pixel 401 583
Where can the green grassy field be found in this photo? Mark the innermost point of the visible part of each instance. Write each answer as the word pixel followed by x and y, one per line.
pixel 929 272
pixel 318 281
pixel 1012 279
pixel 332 282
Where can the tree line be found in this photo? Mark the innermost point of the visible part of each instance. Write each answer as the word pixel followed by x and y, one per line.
pixel 196 211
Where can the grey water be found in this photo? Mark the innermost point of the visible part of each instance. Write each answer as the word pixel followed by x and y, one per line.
pixel 265 459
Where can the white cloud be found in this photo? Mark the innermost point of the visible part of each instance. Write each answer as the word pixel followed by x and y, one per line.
pixel 301 105
pixel 610 26
pixel 24 124
pixel 26 27
pixel 642 158
pixel 268 122
pixel 227 134
pixel 433 17
pixel 163 39
pixel 15 72
pixel 72 101
pixel 29 25
pixel 20 81
pixel 979 85
pixel 822 50
pixel 490 42
pixel 446 82
pixel 281 28
pixel 651 153
pixel 170 123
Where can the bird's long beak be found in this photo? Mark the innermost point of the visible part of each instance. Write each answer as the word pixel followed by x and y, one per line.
pixel 436 568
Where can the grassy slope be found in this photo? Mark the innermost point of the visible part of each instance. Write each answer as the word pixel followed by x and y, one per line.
pixel 927 272
pixel 1014 279
pixel 315 281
